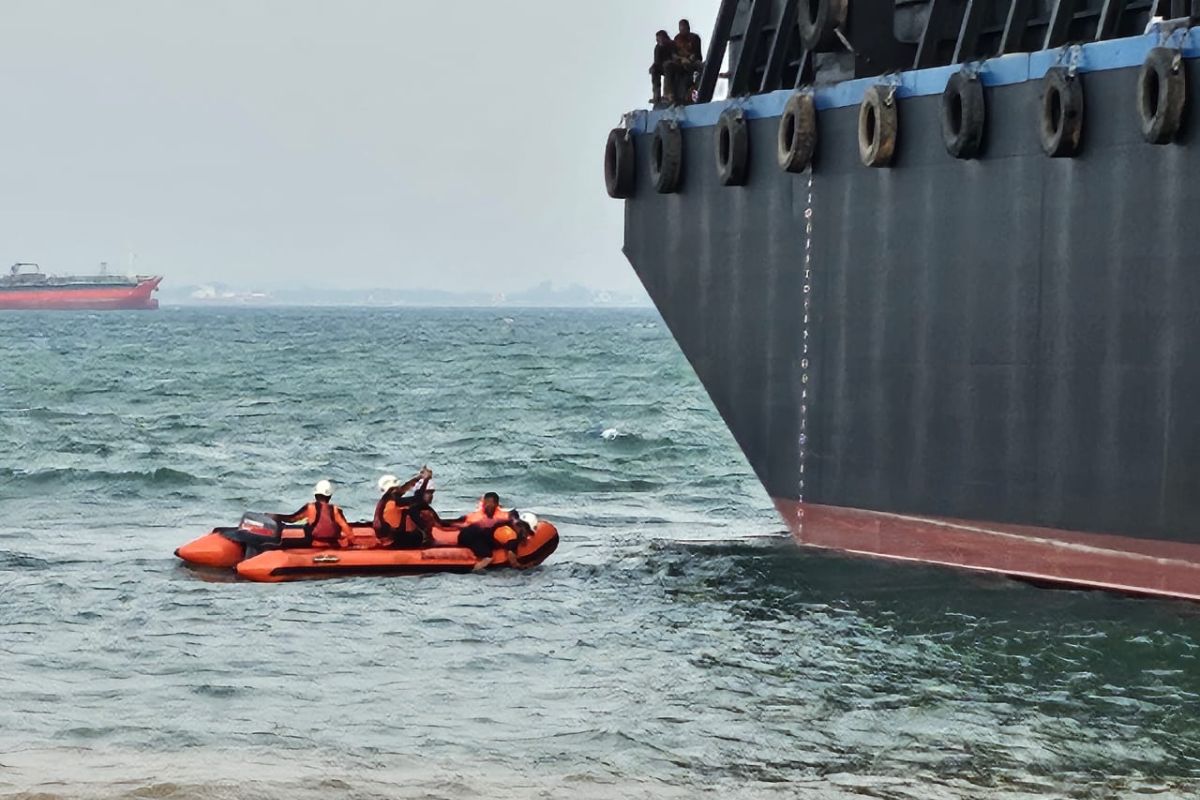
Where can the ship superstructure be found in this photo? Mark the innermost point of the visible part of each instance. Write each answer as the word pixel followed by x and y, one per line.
pixel 27 287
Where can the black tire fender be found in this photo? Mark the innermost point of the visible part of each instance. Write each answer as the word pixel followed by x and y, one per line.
pixel 1162 95
pixel 731 139
pixel 878 121
pixel 1060 114
pixel 797 139
pixel 620 172
pixel 666 156
pixel 964 115
pixel 819 20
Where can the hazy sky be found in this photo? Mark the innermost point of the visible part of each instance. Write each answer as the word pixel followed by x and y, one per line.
pixel 346 143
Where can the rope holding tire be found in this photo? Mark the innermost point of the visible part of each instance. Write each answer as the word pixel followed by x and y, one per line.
pixel 964 115
pixel 732 139
pixel 1061 117
pixel 797 139
pixel 666 156
pixel 1161 95
pixel 878 121
pixel 620 171
pixel 819 22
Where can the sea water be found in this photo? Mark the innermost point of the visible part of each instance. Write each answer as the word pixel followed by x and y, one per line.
pixel 677 644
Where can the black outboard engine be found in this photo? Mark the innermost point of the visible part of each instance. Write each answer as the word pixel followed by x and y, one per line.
pixel 260 527
pixel 257 532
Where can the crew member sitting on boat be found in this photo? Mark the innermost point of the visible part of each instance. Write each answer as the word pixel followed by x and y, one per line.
pixel 484 540
pixel 664 52
pixel 419 519
pixel 686 64
pixel 324 523
pixel 479 531
pixel 389 511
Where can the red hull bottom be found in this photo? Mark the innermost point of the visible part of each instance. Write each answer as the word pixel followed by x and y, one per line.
pixel 1096 561
pixel 91 298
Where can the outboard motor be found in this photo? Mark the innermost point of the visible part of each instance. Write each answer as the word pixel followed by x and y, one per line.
pixel 259 527
pixel 258 532
pixel 226 547
pixel 254 534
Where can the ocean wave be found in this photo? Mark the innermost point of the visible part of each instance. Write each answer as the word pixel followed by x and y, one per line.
pixel 554 479
pixel 48 414
pixel 156 478
pixel 218 691
pixel 11 560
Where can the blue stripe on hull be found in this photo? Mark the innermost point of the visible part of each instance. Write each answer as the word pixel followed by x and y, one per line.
pixel 1001 71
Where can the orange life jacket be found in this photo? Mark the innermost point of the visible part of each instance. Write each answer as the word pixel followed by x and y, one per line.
pixel 392 513
pixel 505 537
pixel 325 522
pixel 389 513
pixel 480 517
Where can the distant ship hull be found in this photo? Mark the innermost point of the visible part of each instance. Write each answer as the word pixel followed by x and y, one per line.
pixel 81 296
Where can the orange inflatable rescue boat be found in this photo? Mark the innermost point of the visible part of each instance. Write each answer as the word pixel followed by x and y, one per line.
pixel 258 548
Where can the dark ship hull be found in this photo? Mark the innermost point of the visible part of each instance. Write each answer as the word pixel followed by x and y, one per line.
pixel 990 363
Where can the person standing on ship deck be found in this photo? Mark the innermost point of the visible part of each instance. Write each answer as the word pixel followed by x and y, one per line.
pixel 688 61
pixel 664 53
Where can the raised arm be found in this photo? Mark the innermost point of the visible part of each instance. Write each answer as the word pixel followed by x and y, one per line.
pixel 411 482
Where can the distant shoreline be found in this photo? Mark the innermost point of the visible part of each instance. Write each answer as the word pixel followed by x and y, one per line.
pixel 543 295
pixel 401 307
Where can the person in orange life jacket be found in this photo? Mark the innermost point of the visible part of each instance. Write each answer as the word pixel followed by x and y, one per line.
pixel 489 514
pixel 390 510
pixel 477 530
pixel 480 524
pixel 324 522
pixel 419 517
pixel 503 534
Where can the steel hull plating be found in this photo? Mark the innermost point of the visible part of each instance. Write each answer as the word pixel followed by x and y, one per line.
pixel 1008 343
pixel 81 297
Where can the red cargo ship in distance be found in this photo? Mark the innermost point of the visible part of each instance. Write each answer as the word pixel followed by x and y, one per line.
pixel 27 287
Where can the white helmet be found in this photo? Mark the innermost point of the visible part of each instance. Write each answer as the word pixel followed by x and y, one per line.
pixel 530 519
pixel 323 488
pixel 388 482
